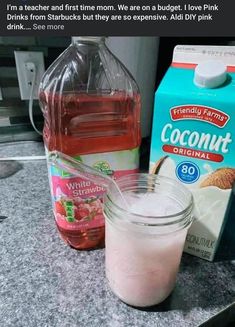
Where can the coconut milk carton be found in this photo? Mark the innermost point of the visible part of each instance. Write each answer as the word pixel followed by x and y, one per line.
pixel 193 137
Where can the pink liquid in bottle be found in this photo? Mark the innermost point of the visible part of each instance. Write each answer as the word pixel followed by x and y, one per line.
pixel 91 107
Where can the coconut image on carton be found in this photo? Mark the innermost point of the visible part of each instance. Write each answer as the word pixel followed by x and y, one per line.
pixel 222 178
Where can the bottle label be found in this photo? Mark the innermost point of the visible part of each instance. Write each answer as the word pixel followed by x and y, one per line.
pixel 78 202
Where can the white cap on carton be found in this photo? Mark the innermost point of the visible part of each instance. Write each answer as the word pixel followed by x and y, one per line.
pixel 210 74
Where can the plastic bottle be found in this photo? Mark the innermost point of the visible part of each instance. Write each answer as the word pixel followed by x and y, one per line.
pixel 91 106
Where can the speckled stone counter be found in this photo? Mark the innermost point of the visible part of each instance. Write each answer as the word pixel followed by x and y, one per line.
pixel 44 283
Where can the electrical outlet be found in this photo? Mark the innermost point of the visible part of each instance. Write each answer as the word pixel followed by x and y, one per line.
pixel 29 63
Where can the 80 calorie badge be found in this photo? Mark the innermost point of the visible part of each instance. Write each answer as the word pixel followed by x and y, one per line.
pixel 187 172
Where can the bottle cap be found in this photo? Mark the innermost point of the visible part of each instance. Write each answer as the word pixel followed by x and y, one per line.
pixel 88 38
pixel 210 74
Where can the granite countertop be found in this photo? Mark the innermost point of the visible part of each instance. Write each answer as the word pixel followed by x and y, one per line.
pixel 43 282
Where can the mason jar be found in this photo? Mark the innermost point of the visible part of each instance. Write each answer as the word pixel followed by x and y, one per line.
pixel 145 240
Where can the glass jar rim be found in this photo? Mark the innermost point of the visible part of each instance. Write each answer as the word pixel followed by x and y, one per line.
pixel 147 219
